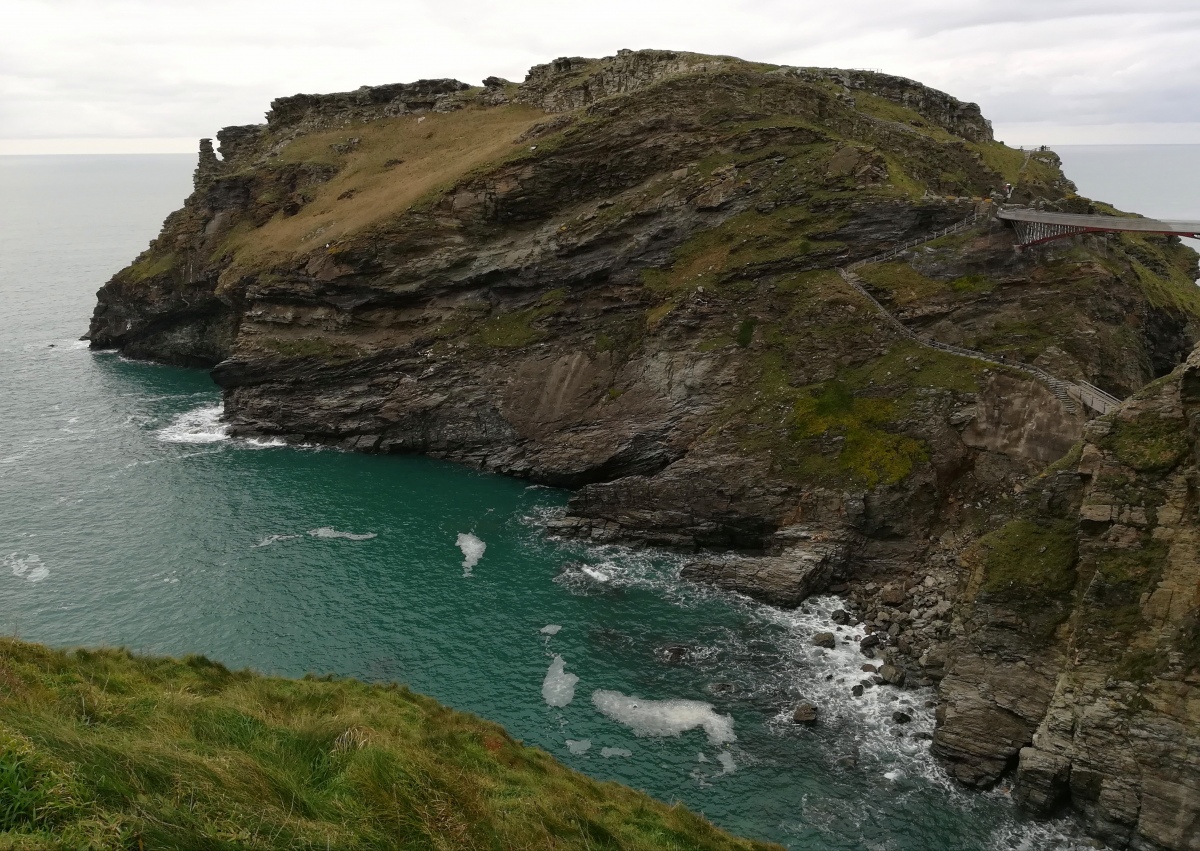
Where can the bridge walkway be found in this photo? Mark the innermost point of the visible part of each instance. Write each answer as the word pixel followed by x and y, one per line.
pixel 1034 227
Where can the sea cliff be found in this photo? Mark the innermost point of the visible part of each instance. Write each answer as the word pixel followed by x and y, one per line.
pixel 621 276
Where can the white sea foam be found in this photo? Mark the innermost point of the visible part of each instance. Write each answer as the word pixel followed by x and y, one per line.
pixel 664 717
pixel 579 746
pixel 263 442
pixel 270 539
pixel 728 766
pixel 595 573
pixel 330 532
pixel 550 629
pixel 472 550
pixel 558 688
pixel 609 753
pixel 27 566
pixel 201 425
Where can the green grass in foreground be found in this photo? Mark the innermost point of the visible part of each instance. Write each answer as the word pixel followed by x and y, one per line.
pixel 104 749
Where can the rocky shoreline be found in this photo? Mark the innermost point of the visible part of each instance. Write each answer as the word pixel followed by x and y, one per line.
pixel 620 276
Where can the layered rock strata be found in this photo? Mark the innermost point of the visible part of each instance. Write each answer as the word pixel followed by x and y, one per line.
pixel 619 276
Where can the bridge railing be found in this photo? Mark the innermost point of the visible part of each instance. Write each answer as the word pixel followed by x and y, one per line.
pixel 968 222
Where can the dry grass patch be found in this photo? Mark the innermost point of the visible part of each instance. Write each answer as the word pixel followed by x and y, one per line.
pixel 395 163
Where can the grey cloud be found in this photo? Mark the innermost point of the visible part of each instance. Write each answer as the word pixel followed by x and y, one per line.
pixel 171 68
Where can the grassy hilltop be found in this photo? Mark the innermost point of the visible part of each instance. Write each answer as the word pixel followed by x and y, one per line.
pixel 104 749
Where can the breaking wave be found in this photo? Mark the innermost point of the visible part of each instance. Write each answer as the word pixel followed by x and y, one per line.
pixel 201 425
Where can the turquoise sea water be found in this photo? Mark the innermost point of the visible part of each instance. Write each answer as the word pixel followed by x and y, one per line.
pixel 127 517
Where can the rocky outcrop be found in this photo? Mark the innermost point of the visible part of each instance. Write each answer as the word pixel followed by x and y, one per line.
pixel 938 108
pixel 620 277
pixel 809 564
pixel 1079 656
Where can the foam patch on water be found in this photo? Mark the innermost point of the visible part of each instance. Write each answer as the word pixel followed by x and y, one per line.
pixel 263 442
pixel 330 532
pixel 472 549
pixel 550 629
pixel 558 688
pixel 609 753
pixel 579 746
pixel 664 717
pixel 201 425
pixel 728 766
pixel 597 574
pixel 1059 835
pixel 271 539
pixel 27 566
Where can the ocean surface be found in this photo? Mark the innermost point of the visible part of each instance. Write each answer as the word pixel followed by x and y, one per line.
pixel 127 517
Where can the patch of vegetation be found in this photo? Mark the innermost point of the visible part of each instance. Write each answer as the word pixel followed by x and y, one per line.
pixel 1027 559
pixel 655 315
pixel 869 454
pixel 515 329
pixel 1148 443
pixel 1163 281
pixel 713 256
pixel 745 333
pixel 889 110
pixel 1141 666
pixel 972 284
pixel 120 751
pixel 902 282
pixel 1067 463
pixel 909 366
pixel 24 800
pixel 312 347
pixel 1023 339
pixel 150 265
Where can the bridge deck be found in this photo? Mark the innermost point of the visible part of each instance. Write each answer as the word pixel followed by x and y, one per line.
pixel 1103 223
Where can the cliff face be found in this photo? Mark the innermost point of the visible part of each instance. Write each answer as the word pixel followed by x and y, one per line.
pixel 1079 655
pixel 620 276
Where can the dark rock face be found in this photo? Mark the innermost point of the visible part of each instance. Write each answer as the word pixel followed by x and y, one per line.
pixel 620 277
pixel 785 580
pixel 1078 661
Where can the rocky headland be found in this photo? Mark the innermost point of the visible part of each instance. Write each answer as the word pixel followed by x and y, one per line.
pixel 621 276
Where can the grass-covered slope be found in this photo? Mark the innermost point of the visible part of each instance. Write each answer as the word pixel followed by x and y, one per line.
pixel 104 749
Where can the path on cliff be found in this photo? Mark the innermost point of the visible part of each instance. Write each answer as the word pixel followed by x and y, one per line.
pixel 1072 394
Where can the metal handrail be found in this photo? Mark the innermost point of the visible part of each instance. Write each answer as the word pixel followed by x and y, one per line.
pixel 969 221
pixel 1088 395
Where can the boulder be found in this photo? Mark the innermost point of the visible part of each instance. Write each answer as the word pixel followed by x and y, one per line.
pixel 805 714
pixel 901 717
pixel 824 639
pixel 892 675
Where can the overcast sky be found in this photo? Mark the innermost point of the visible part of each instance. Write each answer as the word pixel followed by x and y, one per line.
pixel 136 75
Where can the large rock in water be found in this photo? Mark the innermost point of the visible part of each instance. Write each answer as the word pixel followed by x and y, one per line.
pixel 785 580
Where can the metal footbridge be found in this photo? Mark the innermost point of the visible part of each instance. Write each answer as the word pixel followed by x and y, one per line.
pixel 1034 227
